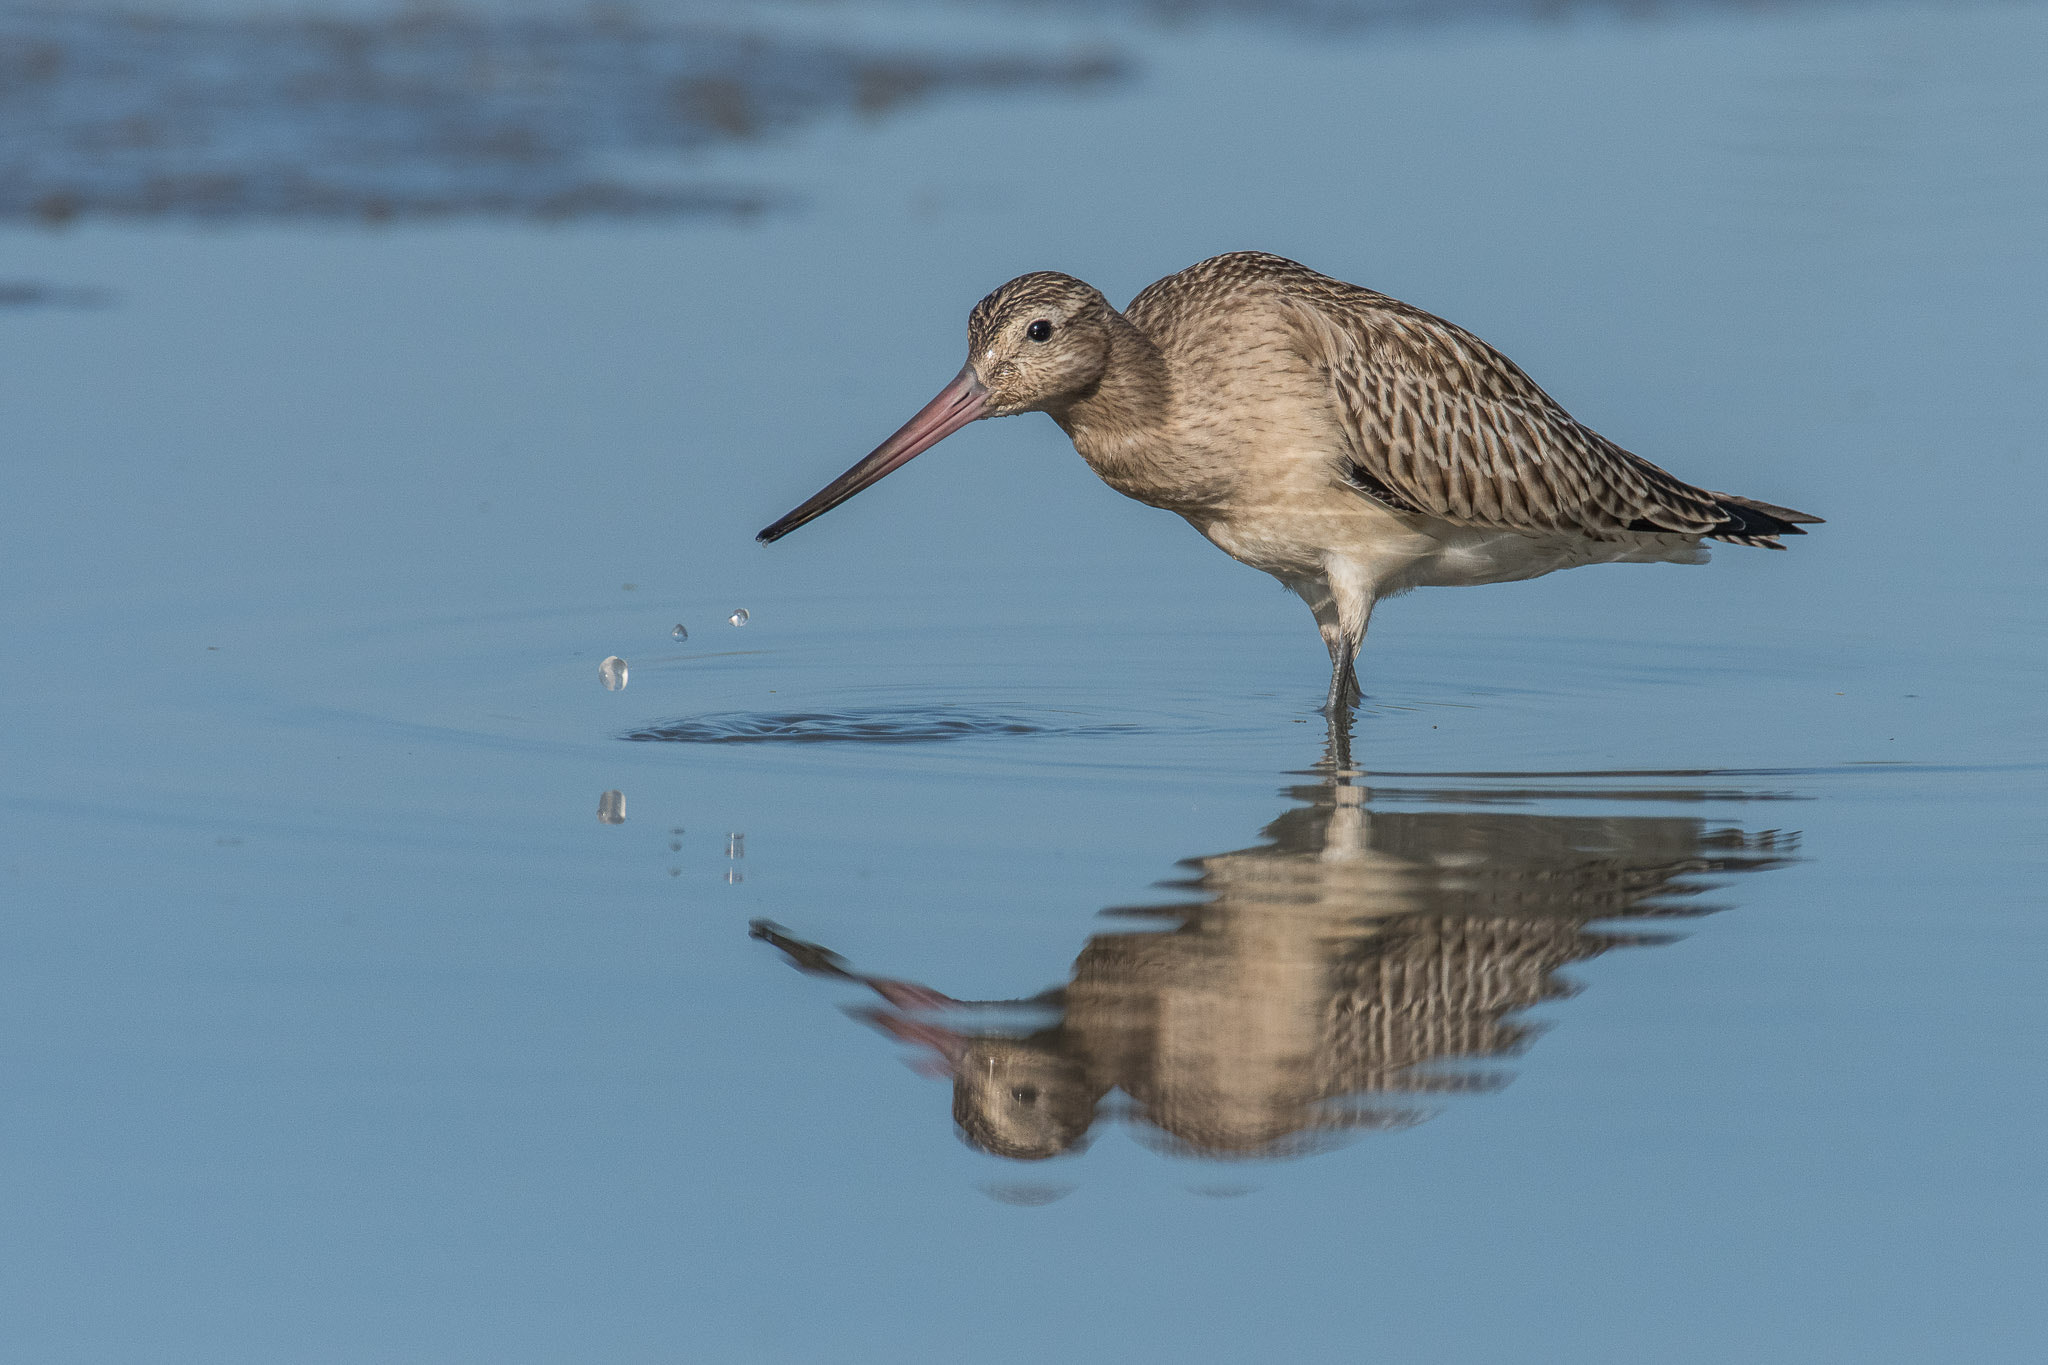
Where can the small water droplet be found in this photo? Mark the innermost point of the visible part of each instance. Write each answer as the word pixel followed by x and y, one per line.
pixel 612 673
pixel 675 872
pixel 733 876
pixel 738 618
pixel 679 634
pixel 735 845
pixel 675 845
pixel 677 831
pixel 611 808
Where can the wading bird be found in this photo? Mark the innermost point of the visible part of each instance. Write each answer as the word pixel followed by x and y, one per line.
pixel 1340 440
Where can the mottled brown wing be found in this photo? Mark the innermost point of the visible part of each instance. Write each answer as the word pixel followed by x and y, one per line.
pixel 1441 423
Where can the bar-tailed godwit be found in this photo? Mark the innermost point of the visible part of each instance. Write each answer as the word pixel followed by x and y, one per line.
pixel 1348 444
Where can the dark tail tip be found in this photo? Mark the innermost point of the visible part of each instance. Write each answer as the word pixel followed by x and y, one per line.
pixel 1751 522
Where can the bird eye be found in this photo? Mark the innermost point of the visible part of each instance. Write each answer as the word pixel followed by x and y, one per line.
pixel 1039 330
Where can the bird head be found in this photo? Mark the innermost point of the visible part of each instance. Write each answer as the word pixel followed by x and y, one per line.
pixel 1039 342
pixel 1034 345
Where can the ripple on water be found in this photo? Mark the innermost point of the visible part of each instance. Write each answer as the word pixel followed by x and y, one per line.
pixel 888 725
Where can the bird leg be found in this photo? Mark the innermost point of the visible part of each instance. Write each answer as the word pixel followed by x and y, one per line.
pixel 1342 603
pixel 1351 601
pixel 1345 692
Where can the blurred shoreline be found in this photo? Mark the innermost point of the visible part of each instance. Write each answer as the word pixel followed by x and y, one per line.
pixel 433 115
pixel 200 112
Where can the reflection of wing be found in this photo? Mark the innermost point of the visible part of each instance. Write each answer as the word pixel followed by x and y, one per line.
pixel 1439 422
pixel 1492 862
pixel 1358 945
pixel 1436 988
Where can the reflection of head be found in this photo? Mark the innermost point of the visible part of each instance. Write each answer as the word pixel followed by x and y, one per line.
pixel 1019 1098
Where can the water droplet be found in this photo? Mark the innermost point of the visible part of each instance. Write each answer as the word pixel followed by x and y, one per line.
pixel 733 876
pixel 735 845
pixel 738 618
pixel 612 673
pixel 611 808
pixel 675 872
pixel 677 831
pixel 679 634
pixel 675 845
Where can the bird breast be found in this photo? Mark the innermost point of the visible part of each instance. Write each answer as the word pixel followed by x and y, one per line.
pixel 1216 425
pixel 1156 468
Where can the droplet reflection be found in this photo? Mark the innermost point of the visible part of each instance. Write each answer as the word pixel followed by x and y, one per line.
pixel 611 808
pixel 679 634
pixel 612 673
pixel 738 618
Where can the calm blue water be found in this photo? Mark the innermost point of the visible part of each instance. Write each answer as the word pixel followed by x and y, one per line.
pixel 337 1025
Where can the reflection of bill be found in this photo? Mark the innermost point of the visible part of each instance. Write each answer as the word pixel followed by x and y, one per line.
pixel 1300 999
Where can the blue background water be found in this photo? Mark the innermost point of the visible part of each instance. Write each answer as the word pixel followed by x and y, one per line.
pixel 336 1026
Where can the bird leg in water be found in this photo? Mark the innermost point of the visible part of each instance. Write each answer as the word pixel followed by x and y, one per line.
pixel 1343 639
pixel 1342 603
pixel 1351 598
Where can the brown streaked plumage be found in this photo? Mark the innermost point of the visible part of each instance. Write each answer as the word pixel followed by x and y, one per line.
pixel 1349 444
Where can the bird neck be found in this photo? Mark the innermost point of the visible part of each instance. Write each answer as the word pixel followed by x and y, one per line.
pixel 1127 408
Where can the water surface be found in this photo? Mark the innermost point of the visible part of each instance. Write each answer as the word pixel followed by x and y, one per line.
pixel 1656 977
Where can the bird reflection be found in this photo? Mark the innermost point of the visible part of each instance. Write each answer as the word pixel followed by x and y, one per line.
pixel 1365 956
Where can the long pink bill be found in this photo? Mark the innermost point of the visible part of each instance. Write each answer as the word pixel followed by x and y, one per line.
pixel 959 403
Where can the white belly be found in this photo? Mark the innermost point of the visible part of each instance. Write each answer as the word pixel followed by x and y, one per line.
pixel 1318 532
